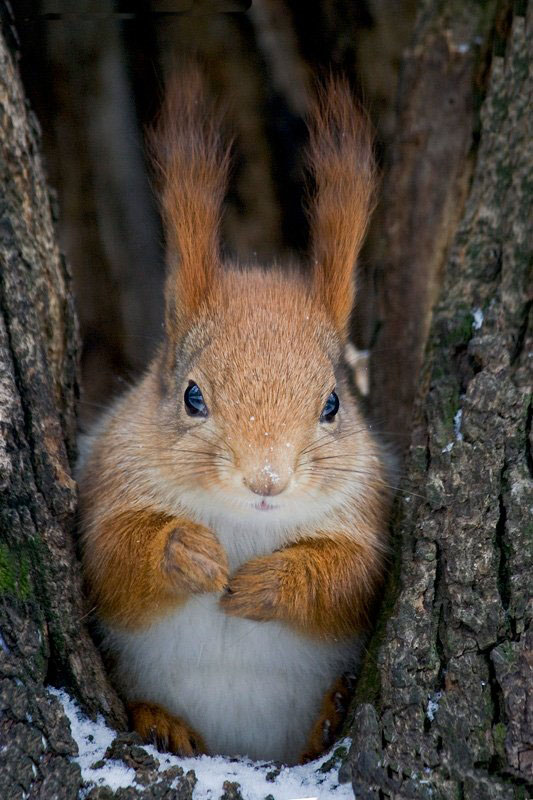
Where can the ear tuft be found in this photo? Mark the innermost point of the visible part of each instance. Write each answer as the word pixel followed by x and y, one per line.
pixel 340 154
pixel 193 165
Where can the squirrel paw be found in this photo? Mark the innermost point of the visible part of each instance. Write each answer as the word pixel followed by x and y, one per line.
pixel 254 589
pixel 332 716
pixel 194 560
pixel 165 731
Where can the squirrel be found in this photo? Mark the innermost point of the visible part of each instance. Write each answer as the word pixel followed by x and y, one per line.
pixel 234 502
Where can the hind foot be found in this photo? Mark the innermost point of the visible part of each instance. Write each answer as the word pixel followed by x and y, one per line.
pixel 331 719
pixel 167 732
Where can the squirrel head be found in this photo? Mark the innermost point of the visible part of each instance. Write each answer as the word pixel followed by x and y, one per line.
pixel 254 407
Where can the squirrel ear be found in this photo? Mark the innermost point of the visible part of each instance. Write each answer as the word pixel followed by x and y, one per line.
pixel 193 164
pixel 340 155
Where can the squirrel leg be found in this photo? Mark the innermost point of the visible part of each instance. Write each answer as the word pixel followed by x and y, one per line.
pixel 141 563
pixel 321 586
pixel 167 732
pixel 330 720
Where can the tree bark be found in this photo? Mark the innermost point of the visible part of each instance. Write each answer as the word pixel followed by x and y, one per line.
pixel 441 708
pixel 43 639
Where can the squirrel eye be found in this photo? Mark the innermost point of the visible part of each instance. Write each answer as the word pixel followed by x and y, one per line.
pixel 194 401
pixel 330 409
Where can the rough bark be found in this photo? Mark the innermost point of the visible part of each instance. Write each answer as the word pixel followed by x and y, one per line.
pixel 442 708
pixel 43 638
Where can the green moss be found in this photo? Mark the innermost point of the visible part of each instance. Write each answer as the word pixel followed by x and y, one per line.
pixel 499 732
pixel 460 330
pixel 450 406
pixel 504 173
pixel 507 652
pixel 14 572
pixel 473 251
pixel 368 689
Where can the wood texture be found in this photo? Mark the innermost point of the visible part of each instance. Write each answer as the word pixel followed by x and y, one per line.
pixel 441 707
pixel 43 638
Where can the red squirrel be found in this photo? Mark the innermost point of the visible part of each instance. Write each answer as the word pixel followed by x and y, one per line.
pixel 234 502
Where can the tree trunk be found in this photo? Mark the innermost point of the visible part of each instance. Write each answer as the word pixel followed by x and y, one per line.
pixel 42 636
pixel 441 708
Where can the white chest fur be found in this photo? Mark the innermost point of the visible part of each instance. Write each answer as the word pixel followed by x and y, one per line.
pixel 248 688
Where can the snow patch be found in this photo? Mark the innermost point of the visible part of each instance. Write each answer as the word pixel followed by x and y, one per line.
pixel 477 319
pixel 433 706
pixel 457 421
pixel 270 472
pixel 3 644
pixel 93 739
pixel 257 779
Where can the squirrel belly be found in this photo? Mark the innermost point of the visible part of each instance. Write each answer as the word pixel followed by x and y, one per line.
pixel 250 688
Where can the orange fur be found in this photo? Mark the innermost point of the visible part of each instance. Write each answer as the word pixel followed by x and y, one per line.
pixel 166 731
pixel 320 586
pixel 330 720
pixel 142 563
pixel 194 163
pixel 340 155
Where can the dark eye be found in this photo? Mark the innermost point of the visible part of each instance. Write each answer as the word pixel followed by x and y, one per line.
pixel 194 401
pixel 330 409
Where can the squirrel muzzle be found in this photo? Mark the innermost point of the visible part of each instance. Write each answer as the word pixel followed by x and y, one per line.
pixel 268 476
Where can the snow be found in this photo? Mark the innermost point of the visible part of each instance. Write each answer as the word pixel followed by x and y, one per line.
pixel 93 739
pixel 433 706
pixel 457 421
pixel 477 320
pixel 270 472
pixel 304 782
pixel 3 644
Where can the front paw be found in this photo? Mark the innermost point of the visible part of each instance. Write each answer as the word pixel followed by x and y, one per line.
pixel 194 560
pixel 255 590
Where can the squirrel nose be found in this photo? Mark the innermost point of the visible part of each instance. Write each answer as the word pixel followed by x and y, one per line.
pixel 266 483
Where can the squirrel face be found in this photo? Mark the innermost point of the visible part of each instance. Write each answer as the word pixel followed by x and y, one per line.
pixel 262 359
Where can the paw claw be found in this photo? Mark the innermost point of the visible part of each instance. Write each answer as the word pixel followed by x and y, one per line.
pixel 329 724
pixel 165 731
